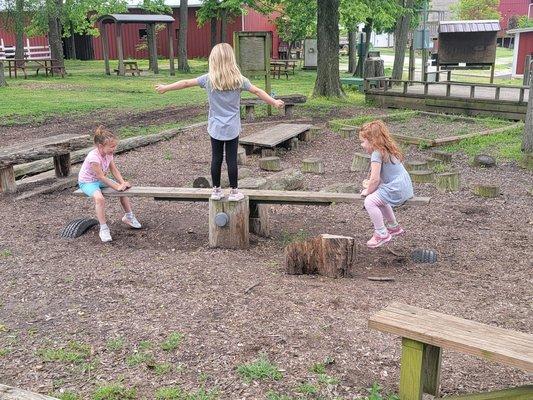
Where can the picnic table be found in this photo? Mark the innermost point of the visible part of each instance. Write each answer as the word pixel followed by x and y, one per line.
pixel 278 67
pixel 130 67
pixel 280 134
pixel 48 64
pixel 58 147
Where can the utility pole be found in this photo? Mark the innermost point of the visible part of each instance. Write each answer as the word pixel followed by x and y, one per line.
pixel 424 48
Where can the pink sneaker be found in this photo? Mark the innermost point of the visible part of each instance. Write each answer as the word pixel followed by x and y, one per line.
pixel 376 240
pixel 397 230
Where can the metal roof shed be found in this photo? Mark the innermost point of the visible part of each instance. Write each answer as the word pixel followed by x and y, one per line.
pixel 150 20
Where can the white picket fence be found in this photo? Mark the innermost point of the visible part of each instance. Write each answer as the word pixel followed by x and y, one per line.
pixel 30 52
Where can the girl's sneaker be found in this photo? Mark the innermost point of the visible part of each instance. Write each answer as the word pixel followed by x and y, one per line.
pixel 217 194
pixel 235 195
pixel 397 230
pixel 131 221
pixel 377 240
pixel 105 235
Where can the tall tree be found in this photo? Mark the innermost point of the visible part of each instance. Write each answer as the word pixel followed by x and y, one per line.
pixel 54 8
pixel 2 77
pixel 400 38
pixel 527 142
pixel 19 28
pixel 476 9
pixel 352 13
pixel 328 80
pixel 183 64
pixel 221 10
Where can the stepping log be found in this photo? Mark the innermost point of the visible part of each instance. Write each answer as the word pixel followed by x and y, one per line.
pixel 327 255
pixel 241 156
pixel 447 181
pixel 7 180
pixel 268 153
pixel 442 155
pixel 489 191
pixel 270 164
pixel 313 165
pixel 310 134
pixel 416 165
pixel 433 162
pixel 234 234
pixel 423 176
pixel 294 144
pixel 360 163
pixel 259 219
pixel 62 165
pixel 347 132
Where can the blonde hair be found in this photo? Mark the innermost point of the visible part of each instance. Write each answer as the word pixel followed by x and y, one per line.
pixel 224 73
pixel 103 135
pixel 379 137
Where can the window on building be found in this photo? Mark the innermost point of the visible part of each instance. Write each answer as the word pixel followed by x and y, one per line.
pixel 142 33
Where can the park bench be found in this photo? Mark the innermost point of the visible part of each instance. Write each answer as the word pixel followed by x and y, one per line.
pixel 424 333
pixel 58 147
pixel 271 137
pixel 290 101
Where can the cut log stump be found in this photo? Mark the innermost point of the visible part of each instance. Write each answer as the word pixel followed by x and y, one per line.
pixel 241 156
pixel 62 165
pixel 423 176
pixel 447 181
pixel 311 134
pixel 348 132
pixel 294 143
pixel 266 152
pixel 327 255
pixel 313 166
pixel 360 162
pixel 234 234
pixel 433 162
pixel 416 165
pixel 259 219
pixel 489 191
pixel 270 164
pixel 442 155
pixel 202 182
pixel 7 180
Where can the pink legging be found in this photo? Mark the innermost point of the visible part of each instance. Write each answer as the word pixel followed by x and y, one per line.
pixel 378 210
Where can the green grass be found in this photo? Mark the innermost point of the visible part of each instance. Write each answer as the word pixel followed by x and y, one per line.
pixel 400 116
pixel 114 392
pixel 271 395
pixel 73 352
pixel 162 369
pixel 176 393
pixel 5 253
pixel 504 146
pixel 139 358
pixel 115 344
pixel 172 342
pixel 67 396
pixel 4 352
pixel 291 237
pixel 259 369
pixel 375 393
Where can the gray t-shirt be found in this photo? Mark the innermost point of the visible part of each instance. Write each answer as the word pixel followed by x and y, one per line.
pixel 396 186
pixel 224 121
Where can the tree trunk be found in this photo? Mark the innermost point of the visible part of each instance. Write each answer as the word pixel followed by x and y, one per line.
pixel 400 41
pixel 54 33
pixel 149 42
pixel 19 29
pixel 352 49
pixel 527 142
pixel 214 30
pixel 368 34
pixel 183 64
pixel 73 55
pixel 2 77
pixel 223 26
pixel 328 80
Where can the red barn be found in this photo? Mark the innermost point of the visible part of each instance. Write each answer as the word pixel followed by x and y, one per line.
pixel 198 38
pixel 523 46
pixel 510 11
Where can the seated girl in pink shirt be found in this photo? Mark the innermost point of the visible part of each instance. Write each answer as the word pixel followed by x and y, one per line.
pixel 93 177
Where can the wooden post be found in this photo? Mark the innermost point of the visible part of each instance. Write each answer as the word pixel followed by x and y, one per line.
pixel 241 156
pixel 7 180
pixel 411 370
pixel 472 91
pixel 360 163
pixel 416 165
pixel 431 369
pixel 421 176
pixel 289 110
pixel 235 234
pixel 105 47
pixel 120 52
pixel 411 75
pixel 447 182
pixel 62 165
pixel 497 94
pixel 313 166
pixel 259 219
pixel 490 191
pixel 492 72
pixel 153 50
pixel 171 49
pixel 448 89
pixel 270 164
pixel 249 112
pixel 348 132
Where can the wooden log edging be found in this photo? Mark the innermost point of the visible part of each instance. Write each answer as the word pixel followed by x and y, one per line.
pixel 123 145
pixel 12 393
pixel 455 139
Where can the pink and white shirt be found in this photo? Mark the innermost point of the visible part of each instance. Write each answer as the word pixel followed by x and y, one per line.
pixel 87 174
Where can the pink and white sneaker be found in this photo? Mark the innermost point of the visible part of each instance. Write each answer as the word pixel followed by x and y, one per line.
pixel 217 194
pixel 396 231
pixel 377 240
pixel 235 195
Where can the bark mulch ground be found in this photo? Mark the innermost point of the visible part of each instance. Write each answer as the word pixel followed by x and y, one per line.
pixel 80 294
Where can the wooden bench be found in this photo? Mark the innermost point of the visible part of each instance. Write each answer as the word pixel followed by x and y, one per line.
pixel 271 137
pixel 130 67
pixel 290 101
pixel 58 147
pixel 424 333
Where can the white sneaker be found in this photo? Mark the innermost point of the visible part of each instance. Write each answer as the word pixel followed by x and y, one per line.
pixel 235 195
pixel 105 235
pixel 131 222
pixel 217 194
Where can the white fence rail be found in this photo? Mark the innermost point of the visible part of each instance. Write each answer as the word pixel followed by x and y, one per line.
pixel 30 52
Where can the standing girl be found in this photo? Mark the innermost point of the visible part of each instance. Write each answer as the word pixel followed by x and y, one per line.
pixel 93 177
pixel 223 84
pixel 389 183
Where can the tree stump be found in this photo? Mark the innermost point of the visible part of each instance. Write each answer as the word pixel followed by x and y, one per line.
pixel 421 176
pixel 202 182
pixel 489 191
pixel 447 181
pixel 294 144
pixel 313 166
pixel 483 160
pixel 268 152
pixel 7 180
pixel 527 161
pixel 241 156
pixel 373 67
pixel 259 219
pixel 270 164
pixel 62 165
pixel 416 165
pixel 442 155
pixel 311 134
pixel 360 163
pixel 433 162
pixel 327 255
pixel 348 132
pixel 252 183
pixel 289 110
pixel 235 233
pixel 249 112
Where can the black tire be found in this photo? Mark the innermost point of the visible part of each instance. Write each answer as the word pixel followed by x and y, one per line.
pixel 78 227
pixel 424 256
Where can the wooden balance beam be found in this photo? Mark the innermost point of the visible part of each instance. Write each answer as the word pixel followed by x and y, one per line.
pixel 230 222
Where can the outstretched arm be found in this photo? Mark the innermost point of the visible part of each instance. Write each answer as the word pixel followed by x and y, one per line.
pixel 265 97
pixel 183 84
